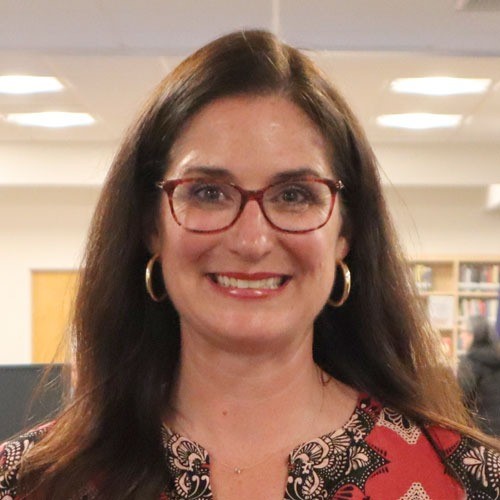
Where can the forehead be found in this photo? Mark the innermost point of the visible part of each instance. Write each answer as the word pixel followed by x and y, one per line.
pixel 244 133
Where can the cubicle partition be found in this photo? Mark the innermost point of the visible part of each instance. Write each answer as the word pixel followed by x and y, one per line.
pixel 23 402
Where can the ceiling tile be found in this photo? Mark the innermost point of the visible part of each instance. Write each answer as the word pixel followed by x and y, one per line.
pixel 427 25
pixel 182 25
pixel 55 24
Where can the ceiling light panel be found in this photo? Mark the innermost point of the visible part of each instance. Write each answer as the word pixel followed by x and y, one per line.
pixel 419 121
pixel 27 84
pixel 51 119
pixel 440 85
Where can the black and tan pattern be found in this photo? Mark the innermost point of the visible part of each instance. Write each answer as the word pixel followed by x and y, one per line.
pixel 416 492
pixel 189 467
pixel 479 469
pixel 326 464
pixel 11 454
pixel 401 425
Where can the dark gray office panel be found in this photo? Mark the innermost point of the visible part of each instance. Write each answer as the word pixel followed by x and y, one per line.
pixel 21 406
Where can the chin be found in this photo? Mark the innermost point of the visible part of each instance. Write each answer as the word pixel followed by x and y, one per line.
pixel 259 335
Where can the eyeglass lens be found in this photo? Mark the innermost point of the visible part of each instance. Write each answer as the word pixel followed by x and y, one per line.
pixel 302 205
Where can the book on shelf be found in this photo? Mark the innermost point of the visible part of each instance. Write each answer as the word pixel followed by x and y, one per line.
pixel 447 345
pixel 479 307
pixel 422 275
pixel 441 311
pixel 475 277
pixel 456 288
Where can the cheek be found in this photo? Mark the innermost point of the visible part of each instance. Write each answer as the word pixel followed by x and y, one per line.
pixel 182 252
pixel 315 254
pixel 182 256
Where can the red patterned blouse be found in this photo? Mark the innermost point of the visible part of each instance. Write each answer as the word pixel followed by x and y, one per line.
pixel 377 454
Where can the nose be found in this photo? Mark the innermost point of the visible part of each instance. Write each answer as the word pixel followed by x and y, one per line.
pixel 251 237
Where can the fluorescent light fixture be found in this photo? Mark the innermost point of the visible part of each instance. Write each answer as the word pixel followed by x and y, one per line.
pixel 25 84
pixel 440 85
pixel 52 119
pixel 419 121
pixel 493 202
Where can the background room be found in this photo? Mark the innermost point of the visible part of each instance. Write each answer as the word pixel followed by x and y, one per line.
pixel 441 178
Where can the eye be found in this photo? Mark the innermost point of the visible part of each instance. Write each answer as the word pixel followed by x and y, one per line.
pixel 295 195
pixel 205 194
pixel 299 193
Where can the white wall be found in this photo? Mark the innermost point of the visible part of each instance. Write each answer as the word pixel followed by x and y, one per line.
pixel 40 228
pixel 44 226
pixel 444 220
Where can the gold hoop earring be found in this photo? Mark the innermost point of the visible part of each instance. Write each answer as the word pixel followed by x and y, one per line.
pixel 347 285
pixel 149 279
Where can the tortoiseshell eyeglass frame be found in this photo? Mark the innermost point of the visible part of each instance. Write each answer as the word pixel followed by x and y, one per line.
pixel 168 186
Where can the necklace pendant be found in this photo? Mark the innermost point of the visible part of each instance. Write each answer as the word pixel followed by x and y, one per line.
pixel 237 470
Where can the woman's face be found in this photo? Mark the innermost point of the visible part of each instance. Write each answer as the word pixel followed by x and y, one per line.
pixel 250 141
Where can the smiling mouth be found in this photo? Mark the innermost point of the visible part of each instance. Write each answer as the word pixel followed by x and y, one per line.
pixel 272 283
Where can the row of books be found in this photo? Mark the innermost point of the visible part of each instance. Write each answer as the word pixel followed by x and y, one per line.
pixel 479 277
pixel 422 275
pixel 482 307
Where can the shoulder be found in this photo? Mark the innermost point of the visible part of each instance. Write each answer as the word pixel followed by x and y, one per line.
pixel 11 456
pixel 475 464
pixel 436 458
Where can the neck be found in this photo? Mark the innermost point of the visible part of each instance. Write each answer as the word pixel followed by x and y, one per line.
pixel 260 399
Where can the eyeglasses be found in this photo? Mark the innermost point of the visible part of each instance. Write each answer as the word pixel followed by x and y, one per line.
pixel 202 205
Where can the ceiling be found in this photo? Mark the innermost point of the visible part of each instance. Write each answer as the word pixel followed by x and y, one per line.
pixel 110 53
pixel 177 26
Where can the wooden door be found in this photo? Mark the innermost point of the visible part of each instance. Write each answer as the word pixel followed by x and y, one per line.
pixel 53 295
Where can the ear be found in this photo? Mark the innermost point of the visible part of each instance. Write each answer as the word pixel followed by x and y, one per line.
pixel 342 248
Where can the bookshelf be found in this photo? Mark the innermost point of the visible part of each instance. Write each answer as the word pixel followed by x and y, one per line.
pixel 454 288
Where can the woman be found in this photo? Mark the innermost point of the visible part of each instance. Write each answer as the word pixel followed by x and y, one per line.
pixel 479 374
pixel 248 192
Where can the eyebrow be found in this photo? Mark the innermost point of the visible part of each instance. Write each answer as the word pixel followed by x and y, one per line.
pixel 224 173
pixel 215 172
pixel 297 173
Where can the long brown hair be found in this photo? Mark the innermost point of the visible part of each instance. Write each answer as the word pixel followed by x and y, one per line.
pixel 127 347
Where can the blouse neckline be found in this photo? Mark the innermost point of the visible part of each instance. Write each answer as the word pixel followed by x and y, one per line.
pixel 189 462
pixel 365 404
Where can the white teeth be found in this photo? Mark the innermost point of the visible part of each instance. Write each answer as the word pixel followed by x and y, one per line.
pixel 268 283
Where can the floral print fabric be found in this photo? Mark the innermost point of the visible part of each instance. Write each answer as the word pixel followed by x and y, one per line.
pixel 377 454
pixel 11 454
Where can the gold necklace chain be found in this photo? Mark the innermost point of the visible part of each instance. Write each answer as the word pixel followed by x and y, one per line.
pixel 324 379
pixel 239 470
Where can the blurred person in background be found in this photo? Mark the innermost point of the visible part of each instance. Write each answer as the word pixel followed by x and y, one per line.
pixel 479 373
